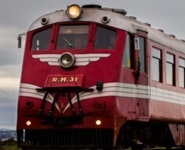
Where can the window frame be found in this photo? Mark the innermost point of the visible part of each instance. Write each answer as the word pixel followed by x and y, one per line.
pixel 128 51
pixel 108 28
pixel 173 67
pixel 73 24
pixel 160 68
pixel 37 31
pixel 143 34
pixel 55 30
pixel 181 67
pixel 142 53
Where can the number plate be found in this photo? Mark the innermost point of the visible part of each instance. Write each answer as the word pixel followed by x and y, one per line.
pixel 64 81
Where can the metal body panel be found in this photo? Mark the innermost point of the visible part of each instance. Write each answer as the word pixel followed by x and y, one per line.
pixel 116 20
pixel 98 91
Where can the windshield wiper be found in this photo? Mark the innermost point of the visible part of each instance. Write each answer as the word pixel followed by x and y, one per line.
pixel 68 43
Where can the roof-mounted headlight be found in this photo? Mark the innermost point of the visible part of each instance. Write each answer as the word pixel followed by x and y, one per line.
pixel 74 11
pixel 67 60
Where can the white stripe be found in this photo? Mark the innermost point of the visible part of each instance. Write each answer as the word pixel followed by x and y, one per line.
pixel 81 63
pixel 25 85
pixel 46 56
pixel 29 90
pixel 167 96
pixel 48 59
pixel 54 63
pixel 113 89
pixel 81 59
pixel 87 59
pixel 132 91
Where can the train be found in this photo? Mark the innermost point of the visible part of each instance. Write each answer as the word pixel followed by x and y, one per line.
pixel 95 78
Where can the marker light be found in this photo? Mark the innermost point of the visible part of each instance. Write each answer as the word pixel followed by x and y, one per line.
pixel 28 122
pixel 67 60
pixel 98 122
pixel 74 11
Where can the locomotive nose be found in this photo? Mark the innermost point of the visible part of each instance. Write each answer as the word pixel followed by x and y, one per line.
pixel 67 60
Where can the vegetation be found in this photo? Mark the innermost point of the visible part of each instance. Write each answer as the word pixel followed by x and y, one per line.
pixel 9 144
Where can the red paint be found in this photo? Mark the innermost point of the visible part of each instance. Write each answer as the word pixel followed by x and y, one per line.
pixel 126 93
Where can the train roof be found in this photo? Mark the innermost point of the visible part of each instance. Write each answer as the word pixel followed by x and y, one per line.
pixel 117 18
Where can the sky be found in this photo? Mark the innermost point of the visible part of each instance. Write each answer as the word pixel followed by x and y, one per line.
pixel 16 17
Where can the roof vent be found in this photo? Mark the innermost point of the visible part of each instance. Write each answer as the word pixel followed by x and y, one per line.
pixel 161 30
pixel 172 35
pixel 132 17
pixel 182 40
pixel 148 24
pixel 92 6
pixel 120 11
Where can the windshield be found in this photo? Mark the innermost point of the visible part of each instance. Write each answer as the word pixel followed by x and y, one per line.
pixel 41 40
pixel 72 37
pixel 105 38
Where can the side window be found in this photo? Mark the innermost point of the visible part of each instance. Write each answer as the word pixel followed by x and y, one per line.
pixel 142 53
pixel 105 38
pixel 128 51
pixel 156 65
pixel 41 40
pixel 182 72
pixel 170 69
pixel 72 37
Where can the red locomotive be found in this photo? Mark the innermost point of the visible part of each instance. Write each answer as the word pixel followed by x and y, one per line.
pixel 93 77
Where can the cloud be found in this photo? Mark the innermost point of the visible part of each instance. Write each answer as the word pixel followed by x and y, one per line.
pixel 9 87
pixel 8 46
pixel 8 115
pixel 9 84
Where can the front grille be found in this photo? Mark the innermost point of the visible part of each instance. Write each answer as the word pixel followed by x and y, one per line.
pixel 66 138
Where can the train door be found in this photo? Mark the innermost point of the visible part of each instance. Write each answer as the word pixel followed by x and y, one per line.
pixel 140 47
pixel 141 72
pixel 134 76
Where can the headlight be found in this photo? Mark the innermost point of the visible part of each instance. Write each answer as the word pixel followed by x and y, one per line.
pixel 98 122
pixel 74 11
pixel 28 123
pixel 67 60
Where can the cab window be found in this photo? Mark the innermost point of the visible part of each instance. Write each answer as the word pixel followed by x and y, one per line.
pixel 72 37
pixel 128 56
pixel 105 38
pixel 41 40
pixel 142 53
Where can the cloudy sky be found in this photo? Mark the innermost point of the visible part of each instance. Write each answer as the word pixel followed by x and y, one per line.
pixel 16 16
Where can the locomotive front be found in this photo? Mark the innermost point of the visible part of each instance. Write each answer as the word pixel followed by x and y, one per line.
pixel 71 63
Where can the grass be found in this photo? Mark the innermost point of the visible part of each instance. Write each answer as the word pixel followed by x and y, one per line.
pixel 9 145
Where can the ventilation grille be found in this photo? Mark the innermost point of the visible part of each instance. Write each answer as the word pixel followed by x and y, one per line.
pixel 66 138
